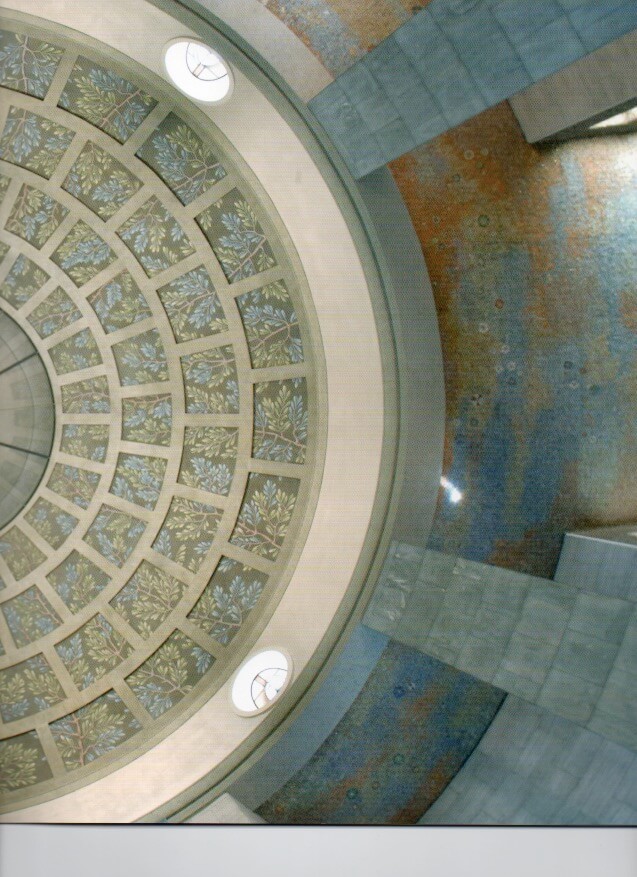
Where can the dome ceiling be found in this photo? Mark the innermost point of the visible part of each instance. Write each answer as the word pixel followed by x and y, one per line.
pixel 144 263
pixel 26 416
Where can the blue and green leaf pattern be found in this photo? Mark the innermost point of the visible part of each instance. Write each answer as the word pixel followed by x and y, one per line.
pixel 114 534
pixel 86 397
pixel 155 237
pixel 192 306
pixel 76 485
pixel 54 313
pixel 22 762
pixel 188 532
pixel 93 730
pixel 148 598
pixel 50 522
pixel 105 99
pixel 27 64
pixel 92 651
pixel 170 673
pixel 19 553
pixel 236 236
pixel 30 616
pixel 280 421
pixel 24 279
pixel 119 303
pixel 34 142
pixel 229 597
pixel 78 580
pixel 28 688
pixel 147 419
pixel 83 254
pixel 78 352
pixel 139 479
pixel 35 216
pixel 271 326
pixel 179 157
pixel 100 182
pixel 141 359
pixel 210 381
pixel 265 514
pixel 209 457
pixel 87 440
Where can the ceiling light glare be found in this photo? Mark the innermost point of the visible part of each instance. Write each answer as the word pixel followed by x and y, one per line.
pixel 452 491
pixel 260 681
pixel 618 120
pixel 197 70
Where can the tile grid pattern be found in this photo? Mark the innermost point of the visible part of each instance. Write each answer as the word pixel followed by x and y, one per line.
pixel 452 60
pixel 534 768
pixel 569 651
pixel 90 615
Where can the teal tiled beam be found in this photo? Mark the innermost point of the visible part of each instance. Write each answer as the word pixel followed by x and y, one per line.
pixel 451 61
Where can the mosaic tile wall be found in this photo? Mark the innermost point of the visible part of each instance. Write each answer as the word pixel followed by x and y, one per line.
pixel 421 720
pixel 532 259
pixel 161 298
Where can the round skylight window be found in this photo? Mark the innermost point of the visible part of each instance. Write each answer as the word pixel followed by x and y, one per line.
pixel 260 681
pixel 197 70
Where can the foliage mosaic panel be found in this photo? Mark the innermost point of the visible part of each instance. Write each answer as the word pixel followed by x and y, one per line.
pixel 76 353
pixel 192 306
pixel 27 64
pixel 148 419
pixel 50 522
pixel 78 580
pixel 265 514
pixel 148 598
pixel 210 381
pixel 179 157
pixel 188 532
pixel 4 249
pixel 139 479
pixel 114 534
pixel 87 440
pixel 209 458
pixel 280 421
pixel 83 254
pixel 30 616
pixel 28 688
pixel 236 236
pixel 86 397
pixel 93 730
pixel 5 182
pixel 76 485
pixel 54 313
pixel 34 142
pixel 92 651
pixel 22 762
pixel 141 360
pixel 155 237
pixel 100 182
pixel 23 280
pixel 229 597
pixel 119 303
pixel 170 673
pixel 271 326
pixel 35 216
pixel 105 99
pixel 19 553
